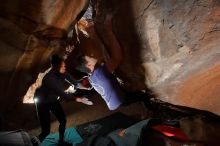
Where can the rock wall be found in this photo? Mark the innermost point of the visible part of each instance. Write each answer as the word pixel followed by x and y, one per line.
pixel 171 47
pixel 30 31
pixel 183 38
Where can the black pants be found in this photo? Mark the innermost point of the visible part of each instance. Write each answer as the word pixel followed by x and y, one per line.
pixel 43 110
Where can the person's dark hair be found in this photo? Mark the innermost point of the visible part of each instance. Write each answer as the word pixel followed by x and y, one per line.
pixel 55 60
pixel 80 63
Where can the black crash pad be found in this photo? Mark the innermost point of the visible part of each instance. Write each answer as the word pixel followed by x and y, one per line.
pixel 105 125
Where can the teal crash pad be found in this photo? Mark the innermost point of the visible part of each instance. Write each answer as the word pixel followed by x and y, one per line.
pixel 71 136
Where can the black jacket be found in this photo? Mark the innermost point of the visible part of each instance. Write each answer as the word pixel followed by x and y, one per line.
pixel 53 87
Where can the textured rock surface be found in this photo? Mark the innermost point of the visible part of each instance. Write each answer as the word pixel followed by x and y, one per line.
pixel 180 51
pixel 170 46
pixel 30 31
